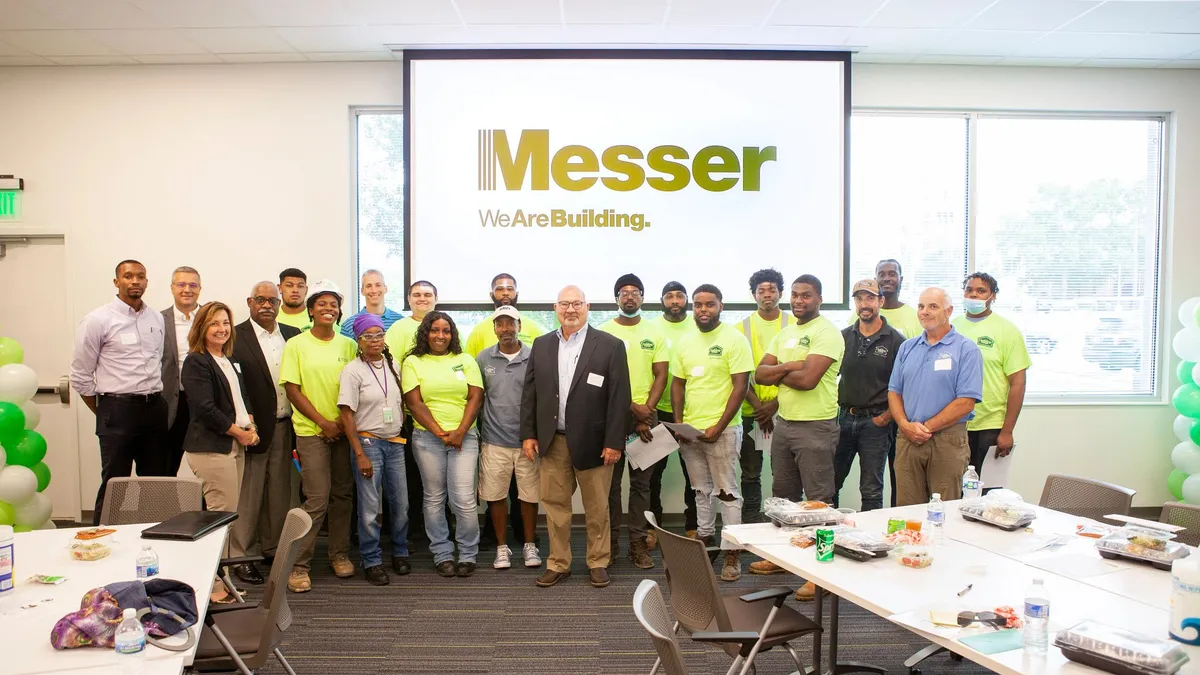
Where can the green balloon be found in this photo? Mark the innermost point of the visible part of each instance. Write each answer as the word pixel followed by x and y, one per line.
pixel 1185 372
pixel 10 351
pixel 6 513
pixel 22 528
pixel 27 450
pixel 43 475
pixel 12 422
pixel 1194 432
pixel 1175 483
pixel 1186 400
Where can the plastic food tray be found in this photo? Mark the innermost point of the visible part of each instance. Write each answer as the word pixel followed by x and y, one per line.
pixel 861 555
pixel 985 509
pixel 1116 650
pixel 798 517
pixel 1013 527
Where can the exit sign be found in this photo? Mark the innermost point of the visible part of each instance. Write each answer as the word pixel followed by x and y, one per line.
pixel 10 204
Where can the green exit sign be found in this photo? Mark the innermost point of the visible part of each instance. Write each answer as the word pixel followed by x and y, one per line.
pixel 10 204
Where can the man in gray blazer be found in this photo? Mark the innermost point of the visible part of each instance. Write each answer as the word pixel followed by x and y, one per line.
pixel 177 322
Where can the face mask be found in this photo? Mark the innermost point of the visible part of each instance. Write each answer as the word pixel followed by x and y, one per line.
pixel 630 315
pixel 974 306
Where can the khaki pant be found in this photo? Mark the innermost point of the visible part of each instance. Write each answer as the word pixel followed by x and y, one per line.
pixel 328 483
pixel 937 465
pixel 221 479
pixel 266 494
pixel 557 486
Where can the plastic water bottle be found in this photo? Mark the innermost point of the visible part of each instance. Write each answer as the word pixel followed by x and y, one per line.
pixel 131 637
pixel 147 563
pixel 1036 634
pixel 971 487
pixel 935 519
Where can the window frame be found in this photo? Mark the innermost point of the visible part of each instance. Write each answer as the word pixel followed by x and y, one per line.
pixel 355 208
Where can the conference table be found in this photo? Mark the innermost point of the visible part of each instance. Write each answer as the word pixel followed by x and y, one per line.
pixel 998 566
pixel 28 614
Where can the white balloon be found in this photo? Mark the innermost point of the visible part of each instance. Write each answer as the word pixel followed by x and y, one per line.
pixel 1191 490
pixel 18 382
pixel 17 484
pixel 33 414
pixel 1186 457
pixel 1187 311
pixel 32 512
pixel 1186 345
pixel 1183 427
pixel 48 525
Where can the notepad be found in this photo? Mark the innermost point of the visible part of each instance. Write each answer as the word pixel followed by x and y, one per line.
pixel 994 642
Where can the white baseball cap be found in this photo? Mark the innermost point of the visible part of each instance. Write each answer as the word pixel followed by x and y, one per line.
pixel 321 288
pixel 506 310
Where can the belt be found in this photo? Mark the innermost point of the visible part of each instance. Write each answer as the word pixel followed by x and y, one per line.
pixel 394 439
pixel 863 411
pixel 143 398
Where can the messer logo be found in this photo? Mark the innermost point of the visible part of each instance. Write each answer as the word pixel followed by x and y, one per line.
pixel 531 165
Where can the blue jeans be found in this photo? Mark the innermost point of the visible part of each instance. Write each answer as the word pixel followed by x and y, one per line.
pixel 448 470
pixel 859 436
pixel 387 478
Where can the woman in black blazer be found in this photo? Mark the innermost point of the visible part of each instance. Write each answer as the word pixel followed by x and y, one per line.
pixel 221 425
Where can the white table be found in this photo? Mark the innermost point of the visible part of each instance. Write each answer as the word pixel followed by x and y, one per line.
pixel 25 638
pixel 1133 597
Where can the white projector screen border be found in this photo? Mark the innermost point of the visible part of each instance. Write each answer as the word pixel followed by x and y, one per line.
pixel 735 299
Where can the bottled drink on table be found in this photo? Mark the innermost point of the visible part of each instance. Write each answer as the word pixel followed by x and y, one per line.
pixel 971 487
pixel 1036 633
pixel 935 519
pixel 147 563
pixel 131 637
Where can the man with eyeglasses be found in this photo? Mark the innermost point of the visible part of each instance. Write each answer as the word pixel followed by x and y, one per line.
pixel 504 292
pixel 293 291
pixel 865 424
pixel 374 293
pixel 177 321
pixel 267 476
pixel 646 354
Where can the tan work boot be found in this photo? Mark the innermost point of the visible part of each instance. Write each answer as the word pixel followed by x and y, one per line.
pixel 806 592
pixel 651 540
pixel 732 569
pixel 640 554
pixel 298 581
pixel 765 567
pixel 690 534
pixel 342 567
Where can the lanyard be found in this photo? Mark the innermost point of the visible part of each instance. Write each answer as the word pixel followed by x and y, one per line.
pixel 382 385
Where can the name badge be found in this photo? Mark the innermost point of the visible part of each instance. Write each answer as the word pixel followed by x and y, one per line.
pixel 790 344
pixel 460 375
pixel 941 364
pixel 595 380
pixel 698 371
pixel 387 415
pixel 129 338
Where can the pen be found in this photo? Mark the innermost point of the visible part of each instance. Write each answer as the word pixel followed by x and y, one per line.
pixel 964 591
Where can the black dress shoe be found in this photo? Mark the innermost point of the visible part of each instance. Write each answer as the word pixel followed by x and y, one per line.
pixel 550 577
pixel 400 565
pixel 377 575
pixel 466 569
pixel 446 568
pixel 598 576
pixel 248 572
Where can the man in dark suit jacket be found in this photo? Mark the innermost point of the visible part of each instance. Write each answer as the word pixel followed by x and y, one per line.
pixel 177 322
pixel 267 477
pixel 574 414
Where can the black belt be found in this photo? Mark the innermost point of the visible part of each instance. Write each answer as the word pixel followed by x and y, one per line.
pixel 863 411
pixel 140 398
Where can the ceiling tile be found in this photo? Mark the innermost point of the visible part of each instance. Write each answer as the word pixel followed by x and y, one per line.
pixel 56 42
pixel 824 13
pixel 896 41
pixel 146 41
pixel 95 13
pixel 521 12
pixel 1039 61
pixel 614 11
pixel 1122 63
pixel 1189 23
pixel 823 36
pixel 872 57
pixel 983 42
pixel 510 35
pixel 716 35
pixel 422 35
pixel 24 61
pixel 1030 14
pixel 1146 46
pixel 20 16
pixel 927 13
pixel 1061 45
pixel 7 49
pixel 176 59
pixel 389 12
pixel 956 60
pixel 332 38
pixel 115 60
pixel 1133 17
pixel 263 58
pixel 351 56
pixel 301 13
pixel 601 33
pixel 719 12
pixel 193 14
pixel 238 40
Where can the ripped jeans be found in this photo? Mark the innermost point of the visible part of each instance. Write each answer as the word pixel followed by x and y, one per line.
pixel 713 470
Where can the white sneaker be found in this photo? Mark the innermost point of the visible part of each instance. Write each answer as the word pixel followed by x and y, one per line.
pixel 503 558
pixel 530 552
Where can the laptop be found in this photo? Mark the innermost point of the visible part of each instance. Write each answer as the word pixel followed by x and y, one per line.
pixel 190 525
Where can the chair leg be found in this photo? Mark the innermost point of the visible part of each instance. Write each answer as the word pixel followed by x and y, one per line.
pixel 654 668
pixel 227 579
pixel 795 656
pixel 913 661
pixel 286 666
pixel 733 667
pixel 237 660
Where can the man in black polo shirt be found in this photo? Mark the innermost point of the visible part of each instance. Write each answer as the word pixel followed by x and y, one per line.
pixel 866 425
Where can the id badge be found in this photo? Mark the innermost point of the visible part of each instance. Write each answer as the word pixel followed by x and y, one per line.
pixel 387 415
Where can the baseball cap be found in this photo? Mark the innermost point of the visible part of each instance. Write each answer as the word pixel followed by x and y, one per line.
pixel 506 310
pixel 869 285
pixel 322 287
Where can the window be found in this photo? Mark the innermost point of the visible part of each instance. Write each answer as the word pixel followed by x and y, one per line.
pixel 379 152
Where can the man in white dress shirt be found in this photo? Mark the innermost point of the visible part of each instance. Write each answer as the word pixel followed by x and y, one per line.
pixel 177 322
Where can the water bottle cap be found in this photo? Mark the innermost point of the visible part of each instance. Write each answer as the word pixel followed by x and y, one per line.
pixel 970 467
pixel 937 495
pixel 129 613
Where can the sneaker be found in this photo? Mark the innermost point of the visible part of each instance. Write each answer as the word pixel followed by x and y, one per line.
pixel 640 554
pixel 806 592
pixel 732 569
pixel 466 569
pixel 376 575
pixel 765 567
pixel 531 555
pixel 298 581
pixel 503 558
pixel 651 540
pixel 342 567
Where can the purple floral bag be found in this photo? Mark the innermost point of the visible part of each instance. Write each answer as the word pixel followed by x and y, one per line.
pixel 163 605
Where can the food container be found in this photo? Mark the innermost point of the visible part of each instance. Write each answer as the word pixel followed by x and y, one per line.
pixel 1116 650
pixel 1005 511
pixel 790 514
pixel 1142 544
pixel 916 556
pixel 89 550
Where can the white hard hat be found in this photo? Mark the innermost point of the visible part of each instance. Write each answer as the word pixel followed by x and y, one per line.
pixel 321 288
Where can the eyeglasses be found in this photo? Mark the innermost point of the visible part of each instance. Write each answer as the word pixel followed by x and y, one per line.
pixel 186 285
pixel 565 305
pixel 629 294
pixel 260 300
pixel 987 618
pixel 371 337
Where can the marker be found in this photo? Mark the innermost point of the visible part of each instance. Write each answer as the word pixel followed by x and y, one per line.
pixel 964 591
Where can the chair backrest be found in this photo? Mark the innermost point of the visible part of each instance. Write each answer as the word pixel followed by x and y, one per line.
pixel 1085 497
pixel 279 614
pixel 695 599
pixel 149 499
pixel 1184 515
pixel 651 611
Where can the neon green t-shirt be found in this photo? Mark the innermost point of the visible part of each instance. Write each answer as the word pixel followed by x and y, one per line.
pixel 671 333
pixel 707 361
pixel 299 320
pixel 400 337
pixel 483 335
pixel 443 381
pixel 761 334
pixel 643 348
pixel 795 343
pixel 903 319
pixel 1004 353
pixel 316 365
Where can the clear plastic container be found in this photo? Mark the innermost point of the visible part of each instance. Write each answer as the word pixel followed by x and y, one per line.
pixel 1117 650
pixel 1139 543
pixel 89 550
pixel 916 556
pixel 854 538
pixel 1004 510
pixel 785 513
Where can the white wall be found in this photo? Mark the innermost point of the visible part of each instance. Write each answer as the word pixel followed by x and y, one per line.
pixel 242 170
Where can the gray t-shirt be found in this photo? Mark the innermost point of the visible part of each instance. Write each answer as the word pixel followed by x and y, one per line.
pixel 503 382
pixel 367 390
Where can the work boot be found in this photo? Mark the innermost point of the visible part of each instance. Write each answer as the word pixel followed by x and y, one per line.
pixel 765 567
pixel 639 553
pixel 732 569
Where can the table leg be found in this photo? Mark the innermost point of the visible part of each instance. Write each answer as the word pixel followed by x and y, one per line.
pixel 835 667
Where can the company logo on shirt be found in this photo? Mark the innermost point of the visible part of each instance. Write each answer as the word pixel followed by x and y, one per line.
pixel 457 367
pixel 647 344
pixel 944 355
pixel 805 341
pixel 489 370
pixel 716 351
pixel 985 341
pixel 881 351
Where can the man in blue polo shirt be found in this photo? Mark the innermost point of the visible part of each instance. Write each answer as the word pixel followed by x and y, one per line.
pixel 374 293
pixel 935 384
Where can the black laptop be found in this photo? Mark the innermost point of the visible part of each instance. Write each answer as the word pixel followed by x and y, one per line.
pixel 190 525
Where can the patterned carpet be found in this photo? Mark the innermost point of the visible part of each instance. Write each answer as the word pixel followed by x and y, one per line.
pixel 499 622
